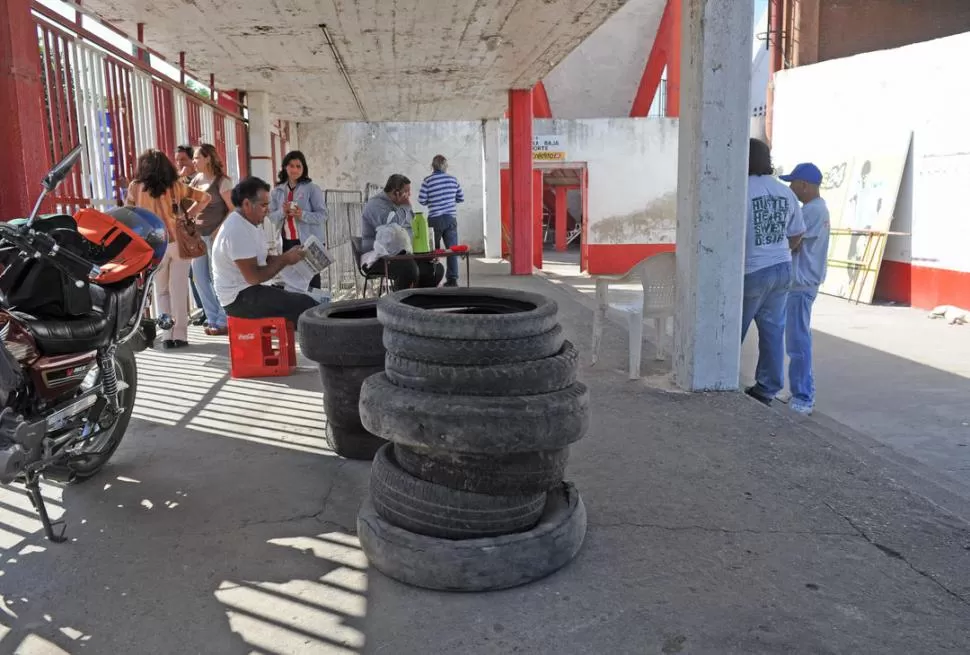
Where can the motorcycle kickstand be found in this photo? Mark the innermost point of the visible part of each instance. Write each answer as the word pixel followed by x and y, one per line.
pixel 33 492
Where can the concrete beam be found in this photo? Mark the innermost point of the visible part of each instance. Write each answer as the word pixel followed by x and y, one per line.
pixel 712 193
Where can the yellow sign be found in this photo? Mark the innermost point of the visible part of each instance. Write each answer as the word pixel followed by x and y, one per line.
pixel 549 156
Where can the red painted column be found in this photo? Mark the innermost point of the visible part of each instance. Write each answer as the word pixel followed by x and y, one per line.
pixel 520 168
pixel 22 107
pixel 673 59
pixel 537 243
pixel 561 196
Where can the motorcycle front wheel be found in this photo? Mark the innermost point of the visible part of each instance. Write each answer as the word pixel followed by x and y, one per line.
pixel 97 450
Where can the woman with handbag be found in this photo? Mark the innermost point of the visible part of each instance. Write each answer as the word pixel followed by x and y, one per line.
pixel 296 207
pixel 157 188
pixel 211 178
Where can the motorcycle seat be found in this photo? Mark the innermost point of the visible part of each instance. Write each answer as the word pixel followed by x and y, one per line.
pixel 113 307
pixel 66 336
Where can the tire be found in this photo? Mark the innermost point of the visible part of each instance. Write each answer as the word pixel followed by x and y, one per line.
pixel 341 393
pixel 468 352
pixel 342 334
pixel 509 475
pixel 476 314
pixel 436 511
pixel 86 466
pixel 352 444
pixel 477 564
pixel 519 379
pixel 474 424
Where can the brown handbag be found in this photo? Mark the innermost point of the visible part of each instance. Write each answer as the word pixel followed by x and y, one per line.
pixel 187 234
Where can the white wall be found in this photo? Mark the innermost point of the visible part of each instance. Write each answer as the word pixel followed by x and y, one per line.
pixel 924 88
pixel 599 79
pixel 632 164
pixel 349 155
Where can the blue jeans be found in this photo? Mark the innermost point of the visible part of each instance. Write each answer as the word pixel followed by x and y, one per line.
pixel 765 302
pixel 798 342
pixel 202 275
pixel 446 229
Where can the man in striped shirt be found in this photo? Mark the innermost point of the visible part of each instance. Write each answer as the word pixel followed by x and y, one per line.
pixel 441 193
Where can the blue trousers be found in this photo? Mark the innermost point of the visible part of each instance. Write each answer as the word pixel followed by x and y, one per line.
pixel 446 229
pixel 765 303
pixel 202 276
pixel 798 343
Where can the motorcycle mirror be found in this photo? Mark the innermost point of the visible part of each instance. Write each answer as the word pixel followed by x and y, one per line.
pixel 57 174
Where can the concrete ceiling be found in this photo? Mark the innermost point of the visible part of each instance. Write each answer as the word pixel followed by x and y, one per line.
pixel 407 60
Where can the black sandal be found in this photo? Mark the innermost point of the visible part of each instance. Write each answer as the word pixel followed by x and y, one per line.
pixel 170 344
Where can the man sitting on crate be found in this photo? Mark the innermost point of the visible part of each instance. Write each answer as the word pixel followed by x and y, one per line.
pixel 393 207
pixel 241 263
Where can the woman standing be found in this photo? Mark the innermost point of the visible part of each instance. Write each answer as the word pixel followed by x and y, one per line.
pixel 157 188
pixel 211 178
pixel 296 206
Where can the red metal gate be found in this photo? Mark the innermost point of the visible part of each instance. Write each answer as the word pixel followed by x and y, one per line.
pixel 117 106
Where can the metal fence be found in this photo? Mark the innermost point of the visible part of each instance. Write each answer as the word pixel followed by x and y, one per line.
pixel 117 106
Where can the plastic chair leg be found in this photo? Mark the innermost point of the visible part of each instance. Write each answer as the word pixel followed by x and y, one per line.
pixel 602 303
pixel 636 344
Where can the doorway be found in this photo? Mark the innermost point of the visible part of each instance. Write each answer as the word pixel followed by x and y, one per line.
pixel 560 211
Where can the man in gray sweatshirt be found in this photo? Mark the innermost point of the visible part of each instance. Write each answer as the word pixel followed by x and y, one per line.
pixel 393 205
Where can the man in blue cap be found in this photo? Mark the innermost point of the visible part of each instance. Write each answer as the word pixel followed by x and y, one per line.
pixel 808 271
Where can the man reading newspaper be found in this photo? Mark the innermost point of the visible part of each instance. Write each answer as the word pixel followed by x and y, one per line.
pixel 242 263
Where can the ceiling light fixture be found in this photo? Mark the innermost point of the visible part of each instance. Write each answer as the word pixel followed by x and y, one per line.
pixel 343 69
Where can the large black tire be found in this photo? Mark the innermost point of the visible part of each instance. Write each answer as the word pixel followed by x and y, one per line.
pixel 474 424
pixel 519 379
pixel 103 445
pixel 468 352
pixel 342 334
pixel 509 475
pixel 352 443
pixel 477 314
pixel 437 511
pixel 341 392
pixel 477 564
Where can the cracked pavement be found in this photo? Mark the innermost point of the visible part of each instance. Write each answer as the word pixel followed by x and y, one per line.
pixel 715 526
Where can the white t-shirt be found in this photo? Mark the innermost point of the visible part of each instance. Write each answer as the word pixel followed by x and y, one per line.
pixel 237 239
pixel 773 215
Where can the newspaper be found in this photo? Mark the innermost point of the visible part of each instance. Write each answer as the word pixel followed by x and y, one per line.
pixel 298 276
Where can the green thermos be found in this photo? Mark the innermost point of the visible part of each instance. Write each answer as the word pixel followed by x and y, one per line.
pixel 420 241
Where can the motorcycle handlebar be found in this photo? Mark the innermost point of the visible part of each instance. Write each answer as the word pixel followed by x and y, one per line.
pixel 39 244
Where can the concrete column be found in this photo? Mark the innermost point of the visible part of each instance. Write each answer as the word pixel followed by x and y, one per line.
pixel 492 178
pixel 712 193
pixel 520 166
pixel 22 106
pixel 260 143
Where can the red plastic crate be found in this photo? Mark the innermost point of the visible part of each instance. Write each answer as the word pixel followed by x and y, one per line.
pixel 261 347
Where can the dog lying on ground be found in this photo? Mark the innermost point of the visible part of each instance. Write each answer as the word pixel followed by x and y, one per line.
pixel 953 315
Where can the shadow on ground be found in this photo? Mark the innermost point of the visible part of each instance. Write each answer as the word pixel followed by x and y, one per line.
pixel 716 526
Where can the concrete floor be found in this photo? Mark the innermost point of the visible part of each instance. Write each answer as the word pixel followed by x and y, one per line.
pixel 887 377
pixel 716 526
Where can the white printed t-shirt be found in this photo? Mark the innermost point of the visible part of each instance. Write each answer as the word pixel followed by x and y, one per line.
pixel 773 216
pixel 237 239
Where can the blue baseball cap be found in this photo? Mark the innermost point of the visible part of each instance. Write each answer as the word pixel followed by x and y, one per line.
pixel 804 172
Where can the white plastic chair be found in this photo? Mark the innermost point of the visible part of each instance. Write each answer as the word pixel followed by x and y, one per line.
pixel 657 276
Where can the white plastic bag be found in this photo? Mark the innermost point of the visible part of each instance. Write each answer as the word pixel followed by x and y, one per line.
pixel 391 239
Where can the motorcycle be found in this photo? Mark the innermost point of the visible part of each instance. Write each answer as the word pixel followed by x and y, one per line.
pixel 67 379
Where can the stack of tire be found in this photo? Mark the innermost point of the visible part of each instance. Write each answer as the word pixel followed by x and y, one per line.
pixel 480 399
pixel 345 339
